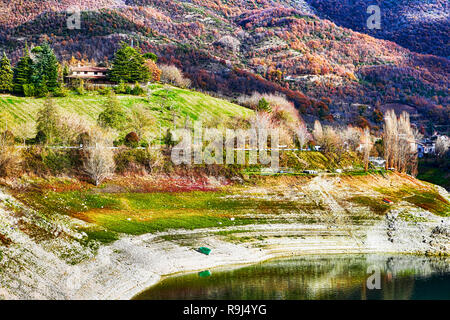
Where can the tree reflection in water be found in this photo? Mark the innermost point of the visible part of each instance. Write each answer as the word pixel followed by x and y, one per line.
pixel 315 277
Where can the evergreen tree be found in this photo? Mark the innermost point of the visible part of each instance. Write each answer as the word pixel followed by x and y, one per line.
pixel 151 56
pixel 45 70
pixel 129 66
pixel 6 74
pixel 65 71
pixel 264 105
pixel 112 116
pixel 48 122
pixel 22 72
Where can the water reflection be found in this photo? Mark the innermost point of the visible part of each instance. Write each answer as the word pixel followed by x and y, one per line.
pixel 315 277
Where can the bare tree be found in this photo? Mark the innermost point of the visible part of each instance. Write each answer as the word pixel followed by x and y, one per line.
pixel 261 121
pixel 230 42
pixel 332 143
pixel 318 132
pixel 173 75
pixel 302 134
pixel 72 125
pixel 400 141
pixel 442 145
pixel 351 137
pixel 407 147
pixel 390 138
pixel 367 142
pixel 99 157
pixel 414 155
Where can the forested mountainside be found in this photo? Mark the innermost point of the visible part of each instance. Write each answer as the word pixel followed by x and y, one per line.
pixel 241 46
pixel 419 25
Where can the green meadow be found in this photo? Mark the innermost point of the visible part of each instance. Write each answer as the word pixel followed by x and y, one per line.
pixel 163 103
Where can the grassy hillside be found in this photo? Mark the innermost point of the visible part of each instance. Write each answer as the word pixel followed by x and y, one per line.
pixel 164 101
pixel 434 173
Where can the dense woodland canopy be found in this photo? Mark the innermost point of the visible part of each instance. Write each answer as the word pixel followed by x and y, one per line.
pixel 419 25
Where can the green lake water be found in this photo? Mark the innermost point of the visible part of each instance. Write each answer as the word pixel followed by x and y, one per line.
pixel 327 277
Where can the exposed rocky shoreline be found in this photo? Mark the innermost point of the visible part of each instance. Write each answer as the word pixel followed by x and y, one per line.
pixel 37 269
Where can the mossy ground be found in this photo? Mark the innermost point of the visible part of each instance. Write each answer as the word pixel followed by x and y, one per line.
pixel 425 198
pixel 116 208
pixel 375 204
pixel 138 213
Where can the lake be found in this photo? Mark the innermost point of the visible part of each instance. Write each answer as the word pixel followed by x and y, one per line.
pixel 326 277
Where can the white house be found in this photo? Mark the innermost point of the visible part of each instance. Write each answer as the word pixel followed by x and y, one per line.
pixel 88 73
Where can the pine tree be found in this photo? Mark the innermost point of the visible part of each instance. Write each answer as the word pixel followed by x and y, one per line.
pixel 129 66
pixel 112 116
pixel 264 105
pixel 45 70
pixel 6 74
pixel 22 72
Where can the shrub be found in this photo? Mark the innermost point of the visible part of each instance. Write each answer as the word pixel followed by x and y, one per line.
pixel 80 87
pixel 112 116
pixel 8 137
pixel 105 91
pixel 156 160
pixel 83 138
pixel 120 88
pixel 155 72
pixel 61 92
pixel 137 90
pixel 43 161
pixel 263 105
pixel 32 160
pixel 128 89
pixel 57 162
pixel 139 161
pixel 168 139
pixel 41 91
pixel 9 156
pixel 132 140
pixel 130 161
